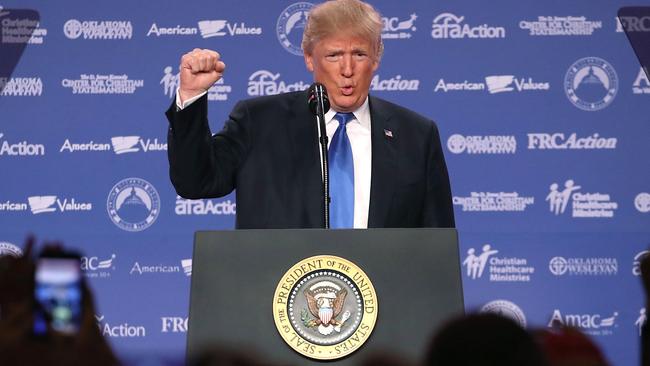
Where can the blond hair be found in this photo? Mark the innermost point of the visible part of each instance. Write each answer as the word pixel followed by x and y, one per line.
pixel 349 17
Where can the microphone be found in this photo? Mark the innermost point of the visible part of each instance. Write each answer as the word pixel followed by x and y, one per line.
pixel 319 104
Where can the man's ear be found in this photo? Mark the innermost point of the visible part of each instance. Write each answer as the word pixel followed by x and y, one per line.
pixel 309 62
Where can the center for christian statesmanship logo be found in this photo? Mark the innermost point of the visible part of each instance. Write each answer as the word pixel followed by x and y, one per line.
pixel 325 307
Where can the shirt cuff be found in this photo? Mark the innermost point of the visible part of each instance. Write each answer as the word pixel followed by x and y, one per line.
pixel 180 106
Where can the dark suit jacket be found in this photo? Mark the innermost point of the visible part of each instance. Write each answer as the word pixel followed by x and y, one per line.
pixel 268 150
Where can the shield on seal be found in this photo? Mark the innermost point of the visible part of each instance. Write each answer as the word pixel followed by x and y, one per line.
pixel 325 315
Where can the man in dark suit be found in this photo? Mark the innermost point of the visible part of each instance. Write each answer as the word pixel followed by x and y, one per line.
pixel 386 162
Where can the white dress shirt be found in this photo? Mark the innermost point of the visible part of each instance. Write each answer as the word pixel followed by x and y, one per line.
pixel 361 143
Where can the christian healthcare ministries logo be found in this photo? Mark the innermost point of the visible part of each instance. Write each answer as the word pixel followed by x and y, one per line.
pixel 591 83
pixel 133 204
pixel 583 204
pixel 506 309
pixel 325 307
pixel 21 30
pixel 291 25
pixel 502 269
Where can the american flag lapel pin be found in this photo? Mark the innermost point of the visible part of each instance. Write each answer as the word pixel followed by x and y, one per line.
pixel 388 133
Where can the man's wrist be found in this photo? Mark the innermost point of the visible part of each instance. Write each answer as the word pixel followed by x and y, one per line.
pixel 180 105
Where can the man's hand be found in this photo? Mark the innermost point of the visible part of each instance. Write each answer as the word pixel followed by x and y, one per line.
pixel 199 69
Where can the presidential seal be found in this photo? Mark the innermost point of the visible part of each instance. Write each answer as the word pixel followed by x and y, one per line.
pixel 325 307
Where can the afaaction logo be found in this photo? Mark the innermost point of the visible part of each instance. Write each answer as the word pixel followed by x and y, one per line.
pixel 22 148
pixel 451 26
pixel 263 82
pixel 202 207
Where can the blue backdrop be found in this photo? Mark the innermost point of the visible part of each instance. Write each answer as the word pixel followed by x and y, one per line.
pixel 542 107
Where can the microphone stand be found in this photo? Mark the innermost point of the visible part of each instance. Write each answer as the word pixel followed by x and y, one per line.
pixel 320 116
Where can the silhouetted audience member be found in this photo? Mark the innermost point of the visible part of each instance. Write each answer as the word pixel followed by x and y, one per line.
pixel 18 343
pixel 221 356
pixel 645 332
pixel 567 346
pixel 483 340
pixel 386 359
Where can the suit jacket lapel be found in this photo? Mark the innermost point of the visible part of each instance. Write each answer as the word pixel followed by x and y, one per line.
pixel 384 132
pixel 303 135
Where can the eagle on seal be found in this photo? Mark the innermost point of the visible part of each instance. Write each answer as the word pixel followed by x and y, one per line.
pixel 325 308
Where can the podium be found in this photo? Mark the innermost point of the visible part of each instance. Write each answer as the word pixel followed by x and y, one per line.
pixel 238 279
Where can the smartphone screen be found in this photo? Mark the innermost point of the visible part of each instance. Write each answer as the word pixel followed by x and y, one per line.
pixel 58 295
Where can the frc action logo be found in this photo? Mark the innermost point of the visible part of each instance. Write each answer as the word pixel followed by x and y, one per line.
pixel 591 83
pixel 291 25
pixel 123 330
pixel 133 204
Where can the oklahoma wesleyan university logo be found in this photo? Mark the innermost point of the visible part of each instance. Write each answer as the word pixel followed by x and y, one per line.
pixel 325 307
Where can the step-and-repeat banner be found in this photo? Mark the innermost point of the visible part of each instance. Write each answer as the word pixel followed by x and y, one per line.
pixel 542 106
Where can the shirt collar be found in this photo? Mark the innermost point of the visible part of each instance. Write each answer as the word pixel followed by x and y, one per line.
pixel 361 115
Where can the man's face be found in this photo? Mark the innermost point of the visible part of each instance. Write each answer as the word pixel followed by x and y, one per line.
pixel 345 66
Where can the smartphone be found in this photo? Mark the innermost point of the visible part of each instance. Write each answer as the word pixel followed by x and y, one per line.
pixel 58 294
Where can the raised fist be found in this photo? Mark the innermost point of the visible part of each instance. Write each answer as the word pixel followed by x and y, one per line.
pixel 199 69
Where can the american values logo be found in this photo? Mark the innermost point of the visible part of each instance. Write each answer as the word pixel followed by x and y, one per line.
pixel 45 204
pixel 586 205
pixel 133 204
pixel 591 83
pixel 207 29
pixel 501 269
pixel 494 84
pixel 593 266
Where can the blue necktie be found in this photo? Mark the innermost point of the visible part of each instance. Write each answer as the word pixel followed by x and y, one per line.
pixel 341 168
